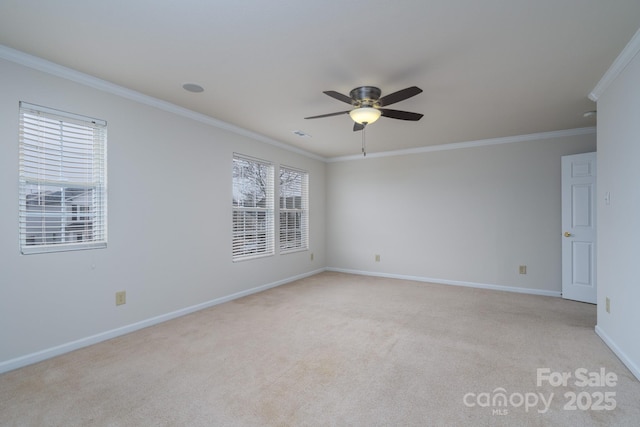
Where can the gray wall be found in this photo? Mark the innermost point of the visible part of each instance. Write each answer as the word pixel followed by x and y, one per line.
pixel 618 225
pixel 169 216
pixel 470 215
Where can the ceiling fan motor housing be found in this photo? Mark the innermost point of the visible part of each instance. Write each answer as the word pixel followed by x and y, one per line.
pixel 365 96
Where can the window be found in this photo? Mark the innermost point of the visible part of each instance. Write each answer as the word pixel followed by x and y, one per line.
pixel 294 209
pixel 63 202
pixel 253 208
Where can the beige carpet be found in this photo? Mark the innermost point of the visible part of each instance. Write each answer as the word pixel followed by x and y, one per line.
pixel 336 349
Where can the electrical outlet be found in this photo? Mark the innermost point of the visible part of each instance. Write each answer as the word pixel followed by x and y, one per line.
pixel 377 257
pixel 311 256
pixel 523 269
pixel 121 297
pixel 608 305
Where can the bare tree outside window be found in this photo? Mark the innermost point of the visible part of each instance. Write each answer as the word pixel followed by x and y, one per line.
pixel 253 208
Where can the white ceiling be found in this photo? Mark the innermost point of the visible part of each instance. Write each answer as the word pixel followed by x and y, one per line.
pixel 490 68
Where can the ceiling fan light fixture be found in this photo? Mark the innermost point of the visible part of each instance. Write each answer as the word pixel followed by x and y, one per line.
pixel 364 115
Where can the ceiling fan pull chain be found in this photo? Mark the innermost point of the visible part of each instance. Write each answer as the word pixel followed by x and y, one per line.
pixel 364 147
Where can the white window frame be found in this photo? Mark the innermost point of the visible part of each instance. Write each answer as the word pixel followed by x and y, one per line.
pixel 253 208
pixel 294 210
pixel 62 181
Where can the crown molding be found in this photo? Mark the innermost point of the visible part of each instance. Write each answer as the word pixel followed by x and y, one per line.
pixel 471 144
pixel 57 70
pixel 626 56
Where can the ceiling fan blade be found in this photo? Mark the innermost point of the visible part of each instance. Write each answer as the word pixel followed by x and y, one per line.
pixel 339 96
pixel 357 127
pixel 400 95
pixel 401 115
pixel 328 115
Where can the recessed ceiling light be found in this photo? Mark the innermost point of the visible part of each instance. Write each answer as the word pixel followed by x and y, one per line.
pixel 192 87
pixel 301 134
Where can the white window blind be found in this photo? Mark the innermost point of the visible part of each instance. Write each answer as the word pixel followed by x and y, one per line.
pixel 253 208
pixel 294 209
pixel 63 181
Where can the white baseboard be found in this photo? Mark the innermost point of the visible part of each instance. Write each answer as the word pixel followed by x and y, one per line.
pixel 635 369
pixel 452 282
pixel 48 353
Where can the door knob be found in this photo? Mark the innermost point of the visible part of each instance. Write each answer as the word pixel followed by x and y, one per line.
pixel 567 234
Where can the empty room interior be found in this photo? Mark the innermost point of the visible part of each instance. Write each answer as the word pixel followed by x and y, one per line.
pixel 328 213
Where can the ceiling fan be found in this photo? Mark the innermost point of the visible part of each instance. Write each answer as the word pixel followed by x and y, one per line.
pixel 368 105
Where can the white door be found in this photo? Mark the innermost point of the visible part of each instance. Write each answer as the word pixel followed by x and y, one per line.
pixel 579 227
